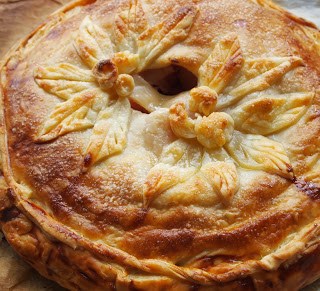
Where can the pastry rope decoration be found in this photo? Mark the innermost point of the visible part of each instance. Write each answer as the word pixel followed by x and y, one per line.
pixel 97 97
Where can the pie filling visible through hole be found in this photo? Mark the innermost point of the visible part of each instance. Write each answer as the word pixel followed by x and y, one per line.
pixel 170 80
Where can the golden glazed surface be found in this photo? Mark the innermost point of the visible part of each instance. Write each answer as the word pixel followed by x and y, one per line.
pixel 215 187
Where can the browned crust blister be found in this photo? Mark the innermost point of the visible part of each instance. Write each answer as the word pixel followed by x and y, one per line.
pixel 76 257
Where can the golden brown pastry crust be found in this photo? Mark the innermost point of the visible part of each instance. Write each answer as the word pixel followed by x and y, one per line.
pixel 15 274
pixel 79 216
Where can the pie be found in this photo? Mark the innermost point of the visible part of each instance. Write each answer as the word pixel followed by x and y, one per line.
pixel 165 145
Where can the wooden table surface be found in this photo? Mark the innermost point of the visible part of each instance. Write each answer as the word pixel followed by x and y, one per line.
pixel 20 17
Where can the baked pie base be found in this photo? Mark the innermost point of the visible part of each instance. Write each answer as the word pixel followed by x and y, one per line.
pixel 254 227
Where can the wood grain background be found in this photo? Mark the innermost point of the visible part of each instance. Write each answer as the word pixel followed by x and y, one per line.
pixel 19 17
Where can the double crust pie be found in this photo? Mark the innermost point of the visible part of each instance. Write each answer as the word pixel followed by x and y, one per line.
pixel 165 145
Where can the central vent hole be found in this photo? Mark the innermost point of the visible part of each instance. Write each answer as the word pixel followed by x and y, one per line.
pixel 170 80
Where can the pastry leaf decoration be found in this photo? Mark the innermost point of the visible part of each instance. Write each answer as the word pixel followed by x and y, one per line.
pixel 110 131
pixel 257 152
pixel 161 178
pixel 93 43
pixel 129 24
pixel 133 33
pixel 186 166
pixel 64 80
pixel 90 95
pixel 266 79
pixel 267 115
pixel 224 179
pixel 83 99
pixel 261 74
pixel 159 38
pixel 178 162
pixel 222 65
pixel 78 113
